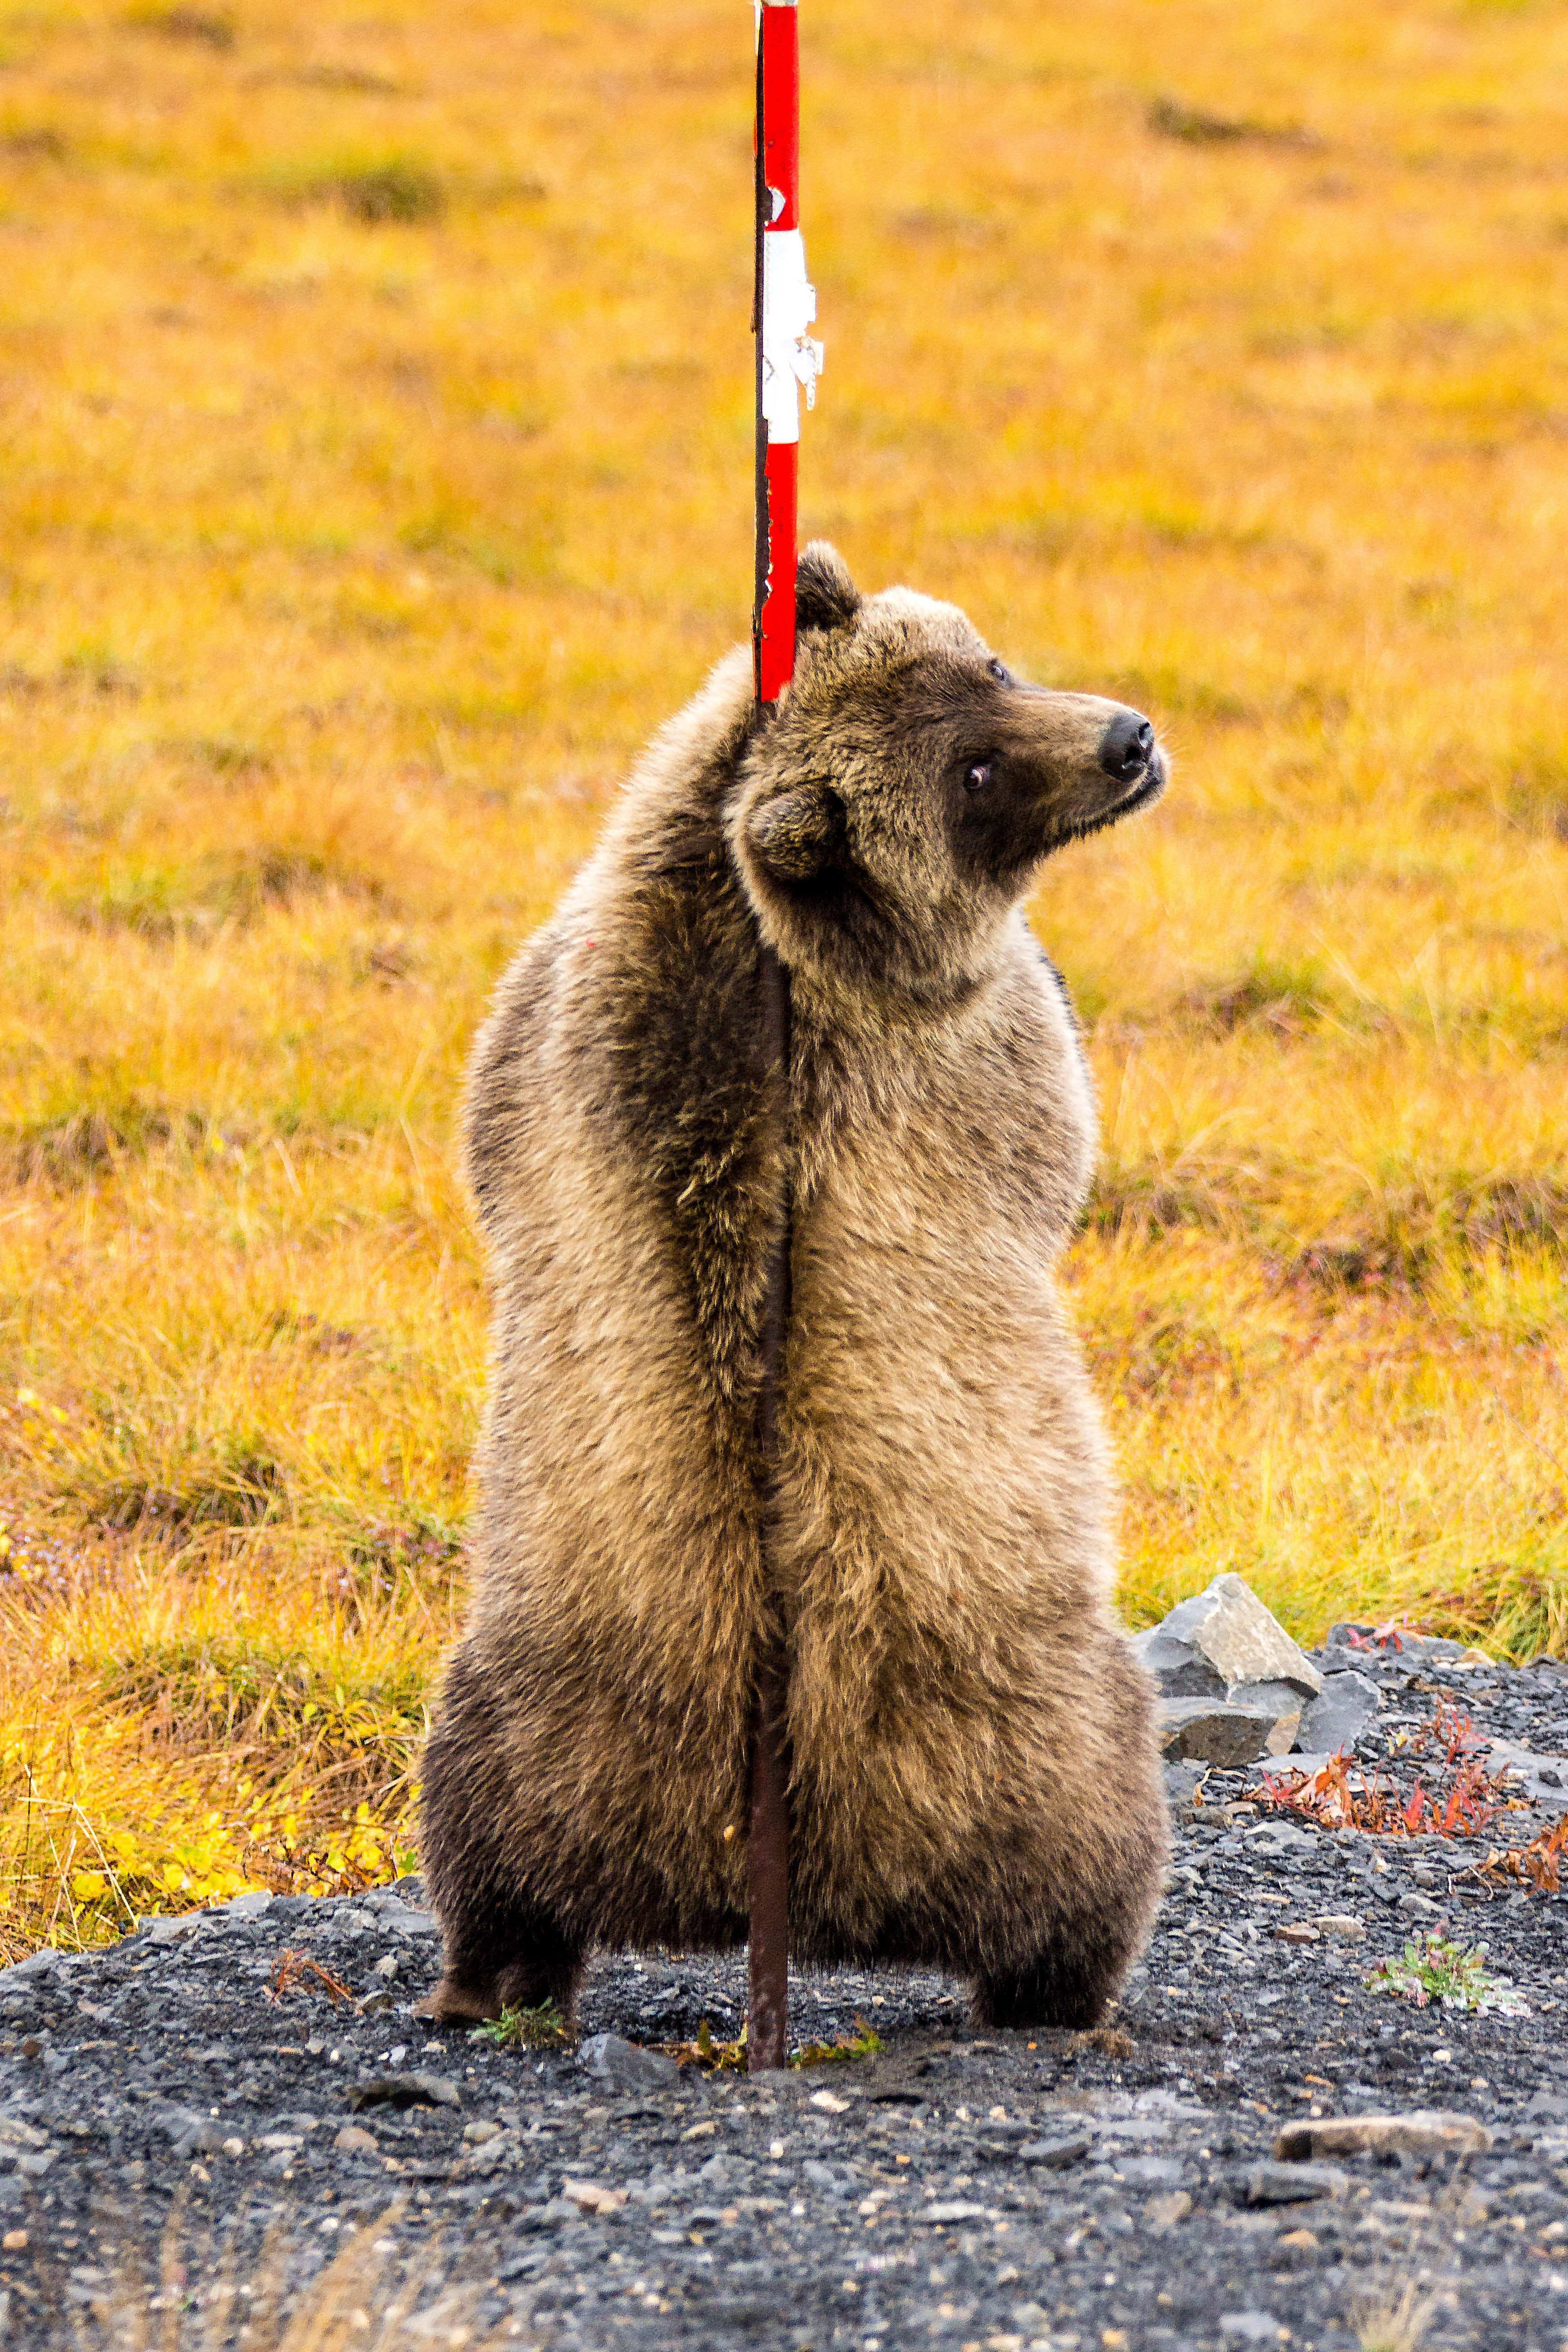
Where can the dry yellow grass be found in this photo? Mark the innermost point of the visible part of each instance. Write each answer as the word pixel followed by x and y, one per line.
pixel 377 409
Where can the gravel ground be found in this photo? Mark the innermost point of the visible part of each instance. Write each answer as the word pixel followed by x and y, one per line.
pixel 158 2105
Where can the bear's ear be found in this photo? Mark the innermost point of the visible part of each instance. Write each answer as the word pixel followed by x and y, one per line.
pixel 824 595
pixel 798 835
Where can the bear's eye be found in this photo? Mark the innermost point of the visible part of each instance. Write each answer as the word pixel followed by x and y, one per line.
pixel 999 672
pixel 977 775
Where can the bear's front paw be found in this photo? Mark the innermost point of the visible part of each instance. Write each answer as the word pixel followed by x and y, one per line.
pixel 450 2003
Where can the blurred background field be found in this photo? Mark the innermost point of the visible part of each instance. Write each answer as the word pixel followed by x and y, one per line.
pixel 376 415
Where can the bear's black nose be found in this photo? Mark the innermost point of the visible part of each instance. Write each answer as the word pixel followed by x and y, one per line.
pixel 1126 747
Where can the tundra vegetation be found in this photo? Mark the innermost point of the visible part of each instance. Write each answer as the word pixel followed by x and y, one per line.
pixel 378 422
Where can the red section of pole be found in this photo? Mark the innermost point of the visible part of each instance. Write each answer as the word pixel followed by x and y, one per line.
pixel 781 101
pixel 778 429
pixel 776 635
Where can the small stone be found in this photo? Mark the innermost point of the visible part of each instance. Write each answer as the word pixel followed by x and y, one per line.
pixel 1342 1714
pixel 627 2066
pixel 956 2209
pixel 415 2090
pixel 234 2146
pixel 830 2103
pixel 1148 2171
pixel 1296 1931
pixel 375 2004
pixel 1339 1927
pixel 1057 2153
pixel 1251 2327
pixel 1164 2212
pixel 480 2130
pixel 1277 1838
pixel 14 2241
pixel 1292 2184
pixel 354 2140
pixel 1302 2242
pixel 1425 2131
pixel 386 1967
pixel 189 2133
pixel 590 2197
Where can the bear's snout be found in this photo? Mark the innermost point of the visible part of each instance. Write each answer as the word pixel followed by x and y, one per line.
pixel 1127 747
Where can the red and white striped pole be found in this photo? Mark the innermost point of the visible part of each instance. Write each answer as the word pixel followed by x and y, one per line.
pixel 788 357
pixel 783 308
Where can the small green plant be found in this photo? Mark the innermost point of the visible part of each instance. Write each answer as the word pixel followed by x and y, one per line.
pixel 1388 2323
pixel 717 2057
pixel 1438 1970
pixel 841 2049
pixel 730 2057
pixel 542 2028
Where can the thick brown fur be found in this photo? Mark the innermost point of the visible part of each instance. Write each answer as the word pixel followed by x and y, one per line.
pixel 975 1782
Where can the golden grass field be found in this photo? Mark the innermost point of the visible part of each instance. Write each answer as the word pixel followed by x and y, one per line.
pixel 376 475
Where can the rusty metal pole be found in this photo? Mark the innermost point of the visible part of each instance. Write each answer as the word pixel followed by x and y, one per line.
pixel 767 1851
pixel 783 308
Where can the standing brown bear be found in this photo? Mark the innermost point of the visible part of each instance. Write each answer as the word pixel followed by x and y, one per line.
pixel 974 1783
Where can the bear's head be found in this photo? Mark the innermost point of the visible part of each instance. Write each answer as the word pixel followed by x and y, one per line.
pixel 893 811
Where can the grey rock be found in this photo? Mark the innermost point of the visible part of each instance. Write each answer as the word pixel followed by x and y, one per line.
pixel 1067 2147
pixel 249 1905
pixel 1280 1837
pixel 1341 1716
pixel 1226 1737
pixel 1221 1639
pixel 411 2090
pixel 188 2132
pixel 945 2215
pixel 1543 1778
pixel 1251 2327
pixel 36 1964
pixel 1416 1648
pixel 626 2065
pixel 1150 2172
pixel 399 1919
pixel 1423 2131
pixel 172 1931
pixel 1185 1778
pixel 1292 2184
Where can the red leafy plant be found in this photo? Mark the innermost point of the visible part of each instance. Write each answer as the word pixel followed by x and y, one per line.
pixel 1340 1797
pixel 1538 1865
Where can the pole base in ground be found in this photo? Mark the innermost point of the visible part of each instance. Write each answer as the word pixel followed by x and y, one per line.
pixel 767 2027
